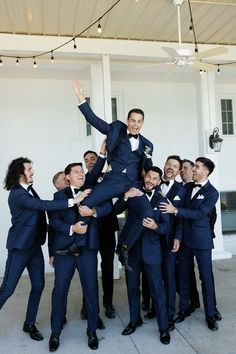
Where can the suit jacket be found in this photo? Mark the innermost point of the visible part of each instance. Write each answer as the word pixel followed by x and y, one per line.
pixel 118 145
pixel 176 196
pixel 196 212
pixel 28 218
pixel 61 221
pixel 133 226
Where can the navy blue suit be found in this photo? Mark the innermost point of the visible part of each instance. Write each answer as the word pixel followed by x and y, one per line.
pixel 197 241
pixel 65 266
pixel 120 157
pixel 176 196
pixel 25 237
pixel 146 254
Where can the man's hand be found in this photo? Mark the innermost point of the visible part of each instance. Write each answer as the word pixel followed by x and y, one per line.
pixel 133 192
pixel 79 90
pixel 149 223
pixel 103 150
pixel 86 211
pixel 80 228
pixel 82 195
pixel 167 208
pixel 51 261
pixel 176 245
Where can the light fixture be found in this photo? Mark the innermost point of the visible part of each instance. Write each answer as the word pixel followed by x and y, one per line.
pixel 99 27
pixel 17 61
pixel 35 64
pixel 218 69
pixel 52 57
pixel 1 63
pixel 215 141
pixel 75 46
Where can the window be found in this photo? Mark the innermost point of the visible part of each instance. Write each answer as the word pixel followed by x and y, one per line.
pixel 227 116
pixel 228 212
pixel 113 111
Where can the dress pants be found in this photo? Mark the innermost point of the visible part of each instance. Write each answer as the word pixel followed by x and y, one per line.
pixel 17 261
pixel 64 267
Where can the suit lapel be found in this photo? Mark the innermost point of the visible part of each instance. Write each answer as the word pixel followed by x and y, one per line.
pixel 156 199
pixel 173 191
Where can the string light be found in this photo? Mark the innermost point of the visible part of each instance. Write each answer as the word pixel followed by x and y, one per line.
pixel 17 61
pixel 1 63
pixel 52 57
pixel 75 46
pixel 35 64
pixel 218 69
pixel 99 27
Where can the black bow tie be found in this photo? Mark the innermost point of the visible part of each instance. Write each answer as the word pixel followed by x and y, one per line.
pixel 197 185
pixel 165 182
pixel 135 136
pixel 77 190
pixel 149 193
pixel 29 188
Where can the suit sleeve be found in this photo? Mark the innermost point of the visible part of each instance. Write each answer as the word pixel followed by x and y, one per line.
pixel 94 120
pixel 120 206
pixel 163 221
pixel 56 223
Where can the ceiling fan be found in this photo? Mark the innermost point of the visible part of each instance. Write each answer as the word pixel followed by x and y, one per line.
pixel 184 56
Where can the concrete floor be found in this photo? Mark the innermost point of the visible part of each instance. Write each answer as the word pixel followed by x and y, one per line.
pixel 189 337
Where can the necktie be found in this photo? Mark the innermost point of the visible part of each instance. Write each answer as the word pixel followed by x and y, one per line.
pixel 29 188
pixel 149 193
pixel 76 190
pixel 165 182
pixel 135 136
pixel 197 185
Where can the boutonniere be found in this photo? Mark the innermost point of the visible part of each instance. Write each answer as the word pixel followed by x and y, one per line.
pixel 147 150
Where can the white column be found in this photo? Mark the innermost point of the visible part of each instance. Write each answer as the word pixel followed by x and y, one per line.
pixel 208 123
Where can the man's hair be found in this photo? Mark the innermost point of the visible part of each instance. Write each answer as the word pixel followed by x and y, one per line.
pixel 175 157
pixel 15 170
pixel 55 177
pixel 135 110
pixel 89 152
pixel 189 161
pixel 207 163
pixel 154 169
pixel 71 165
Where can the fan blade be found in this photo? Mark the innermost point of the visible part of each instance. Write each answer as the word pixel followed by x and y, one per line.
pixel 210 53
pixel 203 66
pixel 171 52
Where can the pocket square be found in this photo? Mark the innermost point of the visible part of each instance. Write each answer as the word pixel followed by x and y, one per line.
pixel 176 197
pixel 155 208
pixel 200 197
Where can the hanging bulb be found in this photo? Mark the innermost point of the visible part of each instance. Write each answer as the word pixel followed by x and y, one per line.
pixel 35 64
pixel 75 46
pixel 191 27
pixel 1 63
pixel 99 27
pixel 17 61
pixel 200 71
pixel 218 70
pixel 52 57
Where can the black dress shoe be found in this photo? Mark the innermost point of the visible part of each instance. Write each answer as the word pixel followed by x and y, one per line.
pixel 83 313
pixel 217 315
pixel 181 316
pixel 54 342
pixel 150 314
pixel 110 311
pixel 130 328
pixel 72 250
pixel 194 304
pixel 100 324
pixel 164 337
pixel 212 324
pixel 33 331
pixel 171 323
pixel 145 305
pixel 92 339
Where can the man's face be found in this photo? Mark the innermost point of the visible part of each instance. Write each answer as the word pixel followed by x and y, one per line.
pixel 151 180
pixel 134 123
pixel 76 177
pixel 171 169
pixel 28 174
pixel 200 172
pixel 90 160
pixel 186 172
pixel 61 181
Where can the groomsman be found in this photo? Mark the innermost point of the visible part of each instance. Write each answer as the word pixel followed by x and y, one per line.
pixel 25 237
pixel 197 241
pixel 146 254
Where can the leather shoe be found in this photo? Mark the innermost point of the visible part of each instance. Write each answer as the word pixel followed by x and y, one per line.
pixel 83 313
pixel 145 305
pixel 181 316
pixel 110 311
pixel 92 339
pixel 194 304
pixel 130 328
pixel 150 314
pixel 33 331
pixel 212 324
pixel 171 323
pixel 217 315
pixel 72 250
pixel 54 342
pixel 100 324
pixel 164 337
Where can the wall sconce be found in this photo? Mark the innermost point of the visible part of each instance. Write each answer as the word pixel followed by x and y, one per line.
pixel 215 141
